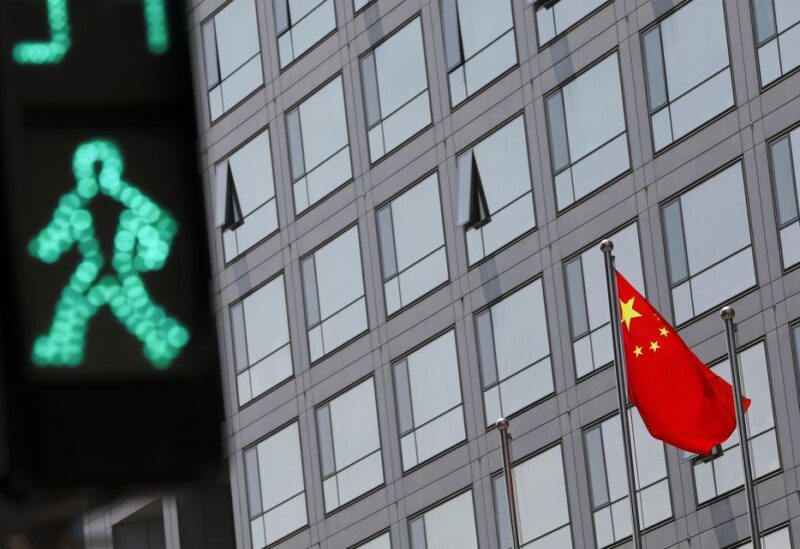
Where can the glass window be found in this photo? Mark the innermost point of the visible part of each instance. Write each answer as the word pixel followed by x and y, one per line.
pixel 505 177
pixel 276 492
pixel 428 395
pixel 550 22
pixel 450 524
pixel 358 4
pixel 724 473
pixel 300 25
pixel 542 510
pixel 785 157
pixel 777 37
pixel 796 331
pixel 411 236
pixel 333 289
pixel 688 70
pixel 708 244
pixel 479 44
pixel 232 55
pixel 350 445
pixel 514 352
pixel 319 148
pixel 395 90
pixel 605 459
pixel 587 297
pixel 778 539
pixel 588 137
pixel 261 347
pixel 244 185
pixel 381 542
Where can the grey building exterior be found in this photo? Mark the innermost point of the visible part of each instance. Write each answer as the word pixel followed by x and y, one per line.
pixel 370 333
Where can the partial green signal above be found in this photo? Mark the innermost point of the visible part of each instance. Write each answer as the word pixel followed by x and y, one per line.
pixel 141 243
pixel 53 51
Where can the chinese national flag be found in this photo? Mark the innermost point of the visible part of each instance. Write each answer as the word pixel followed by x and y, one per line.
pixel 680 400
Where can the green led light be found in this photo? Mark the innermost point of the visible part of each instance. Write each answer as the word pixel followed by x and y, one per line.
pixel 155 21
pixel 142 243
pixel 52 52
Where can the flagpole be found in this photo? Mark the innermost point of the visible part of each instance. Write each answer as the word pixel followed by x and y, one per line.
pixel 505 438
pixel 727 314
pixel 607 247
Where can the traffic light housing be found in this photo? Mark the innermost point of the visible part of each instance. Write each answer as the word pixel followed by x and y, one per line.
pixel 110 368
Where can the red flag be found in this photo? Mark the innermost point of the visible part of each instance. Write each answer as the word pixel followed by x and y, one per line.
pixel 680 400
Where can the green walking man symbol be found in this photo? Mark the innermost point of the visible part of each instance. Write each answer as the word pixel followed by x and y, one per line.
pixel 142 243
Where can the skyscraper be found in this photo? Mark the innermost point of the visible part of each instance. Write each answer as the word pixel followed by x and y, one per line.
pixel 373 328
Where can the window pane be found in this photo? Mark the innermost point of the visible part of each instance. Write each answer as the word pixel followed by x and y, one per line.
pixel 370 85
pixel 400 65
pixel 251 167
pixel 295 144
pixel 597 466
pixel 280 466
pixel 765 19
pixel 656 87
pixel 324 125
pixel 433 377
pixel 265 320
pixel 355 424
pixel 253 482
pixel 695 44
pixel 403 395
pixel 452 524
pixel 280 472
pixel 237 35
pixel 593 106
pixel 482 22
pixel 783 173
pixel 210 52
pixel 452 38
pixel 325 433
pixel 483 327
pixel 386 237
pixel 541 494
pixel 576 297
pixel 417 219
pixel 558 131
pixel 520 329
pixel 339 277
pixel 503 164
pixel 787 12
pixel 715 219
pixel 676 248
pixel 310 298
pixel 382 542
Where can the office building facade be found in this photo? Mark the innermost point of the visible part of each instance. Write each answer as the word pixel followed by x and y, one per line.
pixel 407 198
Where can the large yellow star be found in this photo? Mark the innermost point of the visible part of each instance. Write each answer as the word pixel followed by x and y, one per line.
pixel 637 351
pixel 628 312
pixel 654 346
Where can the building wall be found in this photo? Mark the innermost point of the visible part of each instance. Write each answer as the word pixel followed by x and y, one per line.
pixel 765 312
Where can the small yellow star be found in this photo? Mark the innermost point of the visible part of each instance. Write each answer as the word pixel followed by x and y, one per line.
pixel 664 332
pixel 654 346
pixel 628 312
pixel 637 351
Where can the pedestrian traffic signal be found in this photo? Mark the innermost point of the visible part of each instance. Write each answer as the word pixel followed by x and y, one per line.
pixel 109 357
